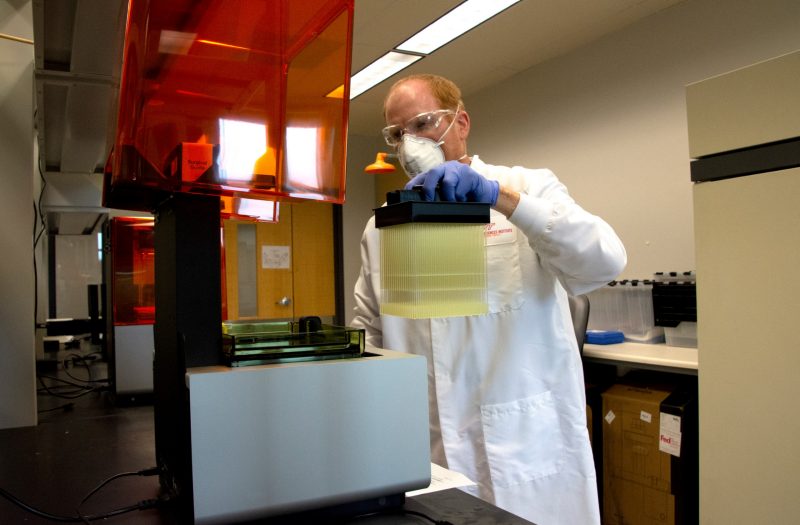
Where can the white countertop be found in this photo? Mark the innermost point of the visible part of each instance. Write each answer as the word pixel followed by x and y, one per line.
pixel 659 355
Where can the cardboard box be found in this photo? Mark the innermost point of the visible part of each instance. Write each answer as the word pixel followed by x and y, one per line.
pixel 649 473
pixel 631 503
pixel 681 409
pixel 594 402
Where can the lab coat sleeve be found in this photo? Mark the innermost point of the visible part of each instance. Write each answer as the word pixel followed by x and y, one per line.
pixel 367 305
pixel 579 248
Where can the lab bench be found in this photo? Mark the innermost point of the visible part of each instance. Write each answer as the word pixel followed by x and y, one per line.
pixel 661 357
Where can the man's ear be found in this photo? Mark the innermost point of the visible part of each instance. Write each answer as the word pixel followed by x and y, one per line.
pixel 463 124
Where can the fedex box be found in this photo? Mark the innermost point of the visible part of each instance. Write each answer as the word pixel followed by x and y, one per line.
pixel 649 454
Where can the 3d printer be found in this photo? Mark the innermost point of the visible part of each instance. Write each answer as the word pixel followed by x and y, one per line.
pixel 224 106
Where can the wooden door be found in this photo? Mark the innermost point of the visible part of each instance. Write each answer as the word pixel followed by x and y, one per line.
pixel 274 267
pixel 291 264
pixel 313 260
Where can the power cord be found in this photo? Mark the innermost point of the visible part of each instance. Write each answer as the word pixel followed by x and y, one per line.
pixel 66 407
pixel 404 512
pixel 87 361
pixel 77 391
pixel 74 387
pixel 38 221
pixel 146 472
pixel 425 516
pixel 156 502
pixel 80 518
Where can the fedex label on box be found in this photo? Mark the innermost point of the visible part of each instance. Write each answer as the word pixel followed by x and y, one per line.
pixel 669 439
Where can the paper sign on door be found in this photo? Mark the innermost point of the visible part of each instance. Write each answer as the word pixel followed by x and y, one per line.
pixel 276 257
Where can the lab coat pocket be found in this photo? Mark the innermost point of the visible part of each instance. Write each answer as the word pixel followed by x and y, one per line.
pixel 523 439
pixel 502 261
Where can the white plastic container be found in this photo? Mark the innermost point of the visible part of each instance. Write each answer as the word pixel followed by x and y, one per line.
pixel 685 335
pixel 626 306
pixel 433 270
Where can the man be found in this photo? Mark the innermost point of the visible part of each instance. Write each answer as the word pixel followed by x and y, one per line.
pixel 506 393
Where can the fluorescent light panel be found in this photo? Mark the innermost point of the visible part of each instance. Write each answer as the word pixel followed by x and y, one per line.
pixel 380 70
pixel 454 24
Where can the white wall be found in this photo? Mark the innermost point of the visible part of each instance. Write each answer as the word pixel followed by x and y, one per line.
pixel 610 118
pixel 17 356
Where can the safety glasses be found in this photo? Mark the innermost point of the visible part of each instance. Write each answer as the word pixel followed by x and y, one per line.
pixel 422 124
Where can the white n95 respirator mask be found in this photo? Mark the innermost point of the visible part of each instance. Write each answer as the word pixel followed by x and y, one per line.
pixel 419 154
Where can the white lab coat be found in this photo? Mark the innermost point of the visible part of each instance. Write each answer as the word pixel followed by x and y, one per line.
pixel 506 392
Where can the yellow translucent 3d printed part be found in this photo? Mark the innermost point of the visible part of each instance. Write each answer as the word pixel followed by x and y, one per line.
pixel 433 259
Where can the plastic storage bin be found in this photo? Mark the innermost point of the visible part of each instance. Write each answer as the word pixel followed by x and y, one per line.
pixel 685 334
pixel 626 306
pixel 433 257
pixel 433 270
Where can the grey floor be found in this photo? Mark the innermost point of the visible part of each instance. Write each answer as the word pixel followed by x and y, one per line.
pixel 83 437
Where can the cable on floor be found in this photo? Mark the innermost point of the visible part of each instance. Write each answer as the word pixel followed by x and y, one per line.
pixel 79 518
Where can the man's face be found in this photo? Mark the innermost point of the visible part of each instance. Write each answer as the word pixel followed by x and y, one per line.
pixel 413 98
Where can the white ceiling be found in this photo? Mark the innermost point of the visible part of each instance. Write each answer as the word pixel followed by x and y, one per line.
pixel 78 50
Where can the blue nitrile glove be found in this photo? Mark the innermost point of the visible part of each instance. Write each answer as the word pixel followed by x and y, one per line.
pixel 457 182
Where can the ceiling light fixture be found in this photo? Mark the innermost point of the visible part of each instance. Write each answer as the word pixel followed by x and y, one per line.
pixel 380 70
pixel 455 23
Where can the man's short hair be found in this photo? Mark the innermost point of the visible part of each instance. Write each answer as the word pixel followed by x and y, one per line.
pixel 445 91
